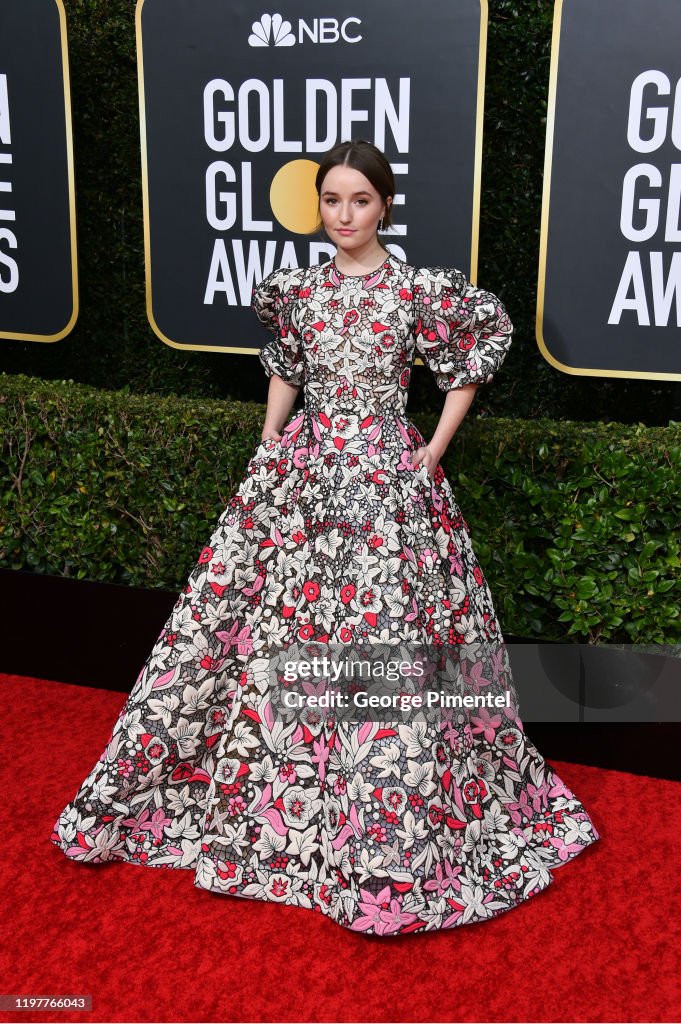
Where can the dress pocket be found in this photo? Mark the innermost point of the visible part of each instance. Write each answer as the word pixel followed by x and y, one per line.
pixel 265 447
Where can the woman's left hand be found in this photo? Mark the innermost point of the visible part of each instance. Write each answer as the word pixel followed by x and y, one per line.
pixel 427 457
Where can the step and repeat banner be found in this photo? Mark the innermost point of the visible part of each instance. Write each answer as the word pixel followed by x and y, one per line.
pixel 609 290
pixel 238 104
pixel 38 275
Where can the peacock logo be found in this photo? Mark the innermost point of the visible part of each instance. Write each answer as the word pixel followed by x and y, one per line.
pixel 271 30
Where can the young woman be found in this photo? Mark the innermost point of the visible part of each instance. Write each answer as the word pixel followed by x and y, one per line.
pixel 344 535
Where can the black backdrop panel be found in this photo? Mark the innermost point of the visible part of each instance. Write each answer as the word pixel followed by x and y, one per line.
pixel 406 78
pixel 38 285
pixel 610 222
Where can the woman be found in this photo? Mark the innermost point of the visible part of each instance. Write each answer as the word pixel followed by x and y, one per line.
pixel 345 536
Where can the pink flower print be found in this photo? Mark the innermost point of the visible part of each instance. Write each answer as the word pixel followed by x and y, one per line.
pixel 320 756
pixel 428 558
pixel 241 639
pixel 377 832
pixel 405 462
pixel 124 767
pixel 520 809
pixel 380 913
pixel 486 724
pixel 474 677
pixel 445 878
pixel 537 795
pixel 236 805
pixel 560 789
pixel 154 823
pixel 287 773
pixel 340 786
pixel 565 850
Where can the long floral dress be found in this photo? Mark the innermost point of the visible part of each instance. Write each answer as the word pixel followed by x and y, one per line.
pixel 387 827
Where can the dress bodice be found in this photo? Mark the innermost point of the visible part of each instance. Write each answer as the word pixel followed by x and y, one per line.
pixel 351 340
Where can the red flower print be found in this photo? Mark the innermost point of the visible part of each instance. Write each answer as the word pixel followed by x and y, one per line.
pixel 311 590
pixel 348 592
pixel 436 815
pixel 280 886
pixel 474 790
pixel 466 341
pixel 205 555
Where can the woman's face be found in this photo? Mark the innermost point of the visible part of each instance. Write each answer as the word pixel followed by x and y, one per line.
pixel 350 208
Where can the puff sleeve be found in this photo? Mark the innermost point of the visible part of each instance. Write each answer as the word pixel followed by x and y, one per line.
pixel 274 303
pixel 462 332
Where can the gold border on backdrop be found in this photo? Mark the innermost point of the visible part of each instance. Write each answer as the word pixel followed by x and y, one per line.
pixel 543 237
pixel 72 193
pixel 240 350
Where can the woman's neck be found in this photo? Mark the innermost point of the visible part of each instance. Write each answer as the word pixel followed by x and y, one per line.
pixel 360 261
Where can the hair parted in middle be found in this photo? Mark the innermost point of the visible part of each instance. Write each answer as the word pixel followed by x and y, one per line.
pixel 362 156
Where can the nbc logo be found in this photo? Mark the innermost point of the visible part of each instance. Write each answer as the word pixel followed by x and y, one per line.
pixel 271 30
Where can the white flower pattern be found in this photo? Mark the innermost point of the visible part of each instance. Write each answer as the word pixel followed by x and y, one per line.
pixel 386 827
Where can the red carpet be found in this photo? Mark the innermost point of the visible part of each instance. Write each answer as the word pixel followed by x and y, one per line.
pixel 601 944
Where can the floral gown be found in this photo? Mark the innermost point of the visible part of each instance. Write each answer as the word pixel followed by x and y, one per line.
pixel 332 537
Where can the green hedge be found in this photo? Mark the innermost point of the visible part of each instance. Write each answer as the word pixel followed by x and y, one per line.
pixel 112 344
pixel 576 525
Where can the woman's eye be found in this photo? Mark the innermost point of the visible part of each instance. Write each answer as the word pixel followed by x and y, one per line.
pixel 362 202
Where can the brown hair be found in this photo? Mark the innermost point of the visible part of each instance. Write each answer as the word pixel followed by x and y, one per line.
pixel 365 157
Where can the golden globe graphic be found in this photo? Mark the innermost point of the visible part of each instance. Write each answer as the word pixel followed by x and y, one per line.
pixel 239 105
pixel 293 196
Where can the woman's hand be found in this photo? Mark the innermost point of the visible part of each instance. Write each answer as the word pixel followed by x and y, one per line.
pixel 270 433
pixel 427 457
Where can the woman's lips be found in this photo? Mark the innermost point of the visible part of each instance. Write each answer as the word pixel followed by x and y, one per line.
pixel 346 231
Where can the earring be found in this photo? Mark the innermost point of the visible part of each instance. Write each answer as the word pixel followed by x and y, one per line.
pixel 380 226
